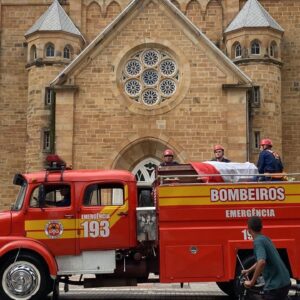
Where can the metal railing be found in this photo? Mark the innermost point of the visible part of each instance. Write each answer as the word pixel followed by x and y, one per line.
pixel 204 178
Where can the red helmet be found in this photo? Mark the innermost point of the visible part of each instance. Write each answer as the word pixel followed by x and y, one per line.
pixel 218 147
pixel 266 142
pixel 168 152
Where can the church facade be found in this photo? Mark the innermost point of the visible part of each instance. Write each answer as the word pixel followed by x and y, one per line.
pixel 112 84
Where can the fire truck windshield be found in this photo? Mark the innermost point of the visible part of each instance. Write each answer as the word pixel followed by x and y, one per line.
pixel 20 198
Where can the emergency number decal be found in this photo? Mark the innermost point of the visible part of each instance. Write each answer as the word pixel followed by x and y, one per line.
pixel 96 228
pixel 54 229
pixel 247 235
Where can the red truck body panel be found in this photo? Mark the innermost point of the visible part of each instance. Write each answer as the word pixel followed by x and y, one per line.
pixel 202 226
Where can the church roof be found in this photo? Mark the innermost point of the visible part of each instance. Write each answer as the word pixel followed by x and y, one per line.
pixel 130 7
pixel 252 15
pixel 54 19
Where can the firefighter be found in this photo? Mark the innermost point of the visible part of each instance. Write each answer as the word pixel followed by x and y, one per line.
pixel 219 154
pixel 169 158
pixel 268 262
pixel 269 161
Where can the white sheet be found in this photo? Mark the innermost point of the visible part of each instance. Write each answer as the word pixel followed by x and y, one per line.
pixel 235 172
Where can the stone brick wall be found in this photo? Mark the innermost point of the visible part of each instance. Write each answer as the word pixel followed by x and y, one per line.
pixel 267 118
pixel 15 20
pixel 287 13
pixel 103 123
pixel 38 115
pixel 22 110
pixel 103 127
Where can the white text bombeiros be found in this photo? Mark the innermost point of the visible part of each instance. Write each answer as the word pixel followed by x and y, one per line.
pixel 247 194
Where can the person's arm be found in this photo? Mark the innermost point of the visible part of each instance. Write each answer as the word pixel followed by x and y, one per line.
pixel 258 268
pixel 249 271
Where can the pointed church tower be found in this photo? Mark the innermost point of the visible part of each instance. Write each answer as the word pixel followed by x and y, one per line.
pixel 53 42
pixel 253 40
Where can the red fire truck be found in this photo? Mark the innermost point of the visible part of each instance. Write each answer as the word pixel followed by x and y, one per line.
pixel 191 227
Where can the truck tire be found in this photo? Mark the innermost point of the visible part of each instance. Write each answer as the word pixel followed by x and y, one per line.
pixel 232 288
pixel 227 287
pixel 25 278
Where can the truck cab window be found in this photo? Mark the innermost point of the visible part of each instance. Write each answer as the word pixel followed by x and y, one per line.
pixel 55 196
pixel 103 194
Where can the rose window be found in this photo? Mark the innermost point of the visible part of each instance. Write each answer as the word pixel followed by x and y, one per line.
pixel 167 87
pixel 150 97
pixel 133 67
pixel 150 77
pixel 168 67
pixel 150 58
pixel 133 87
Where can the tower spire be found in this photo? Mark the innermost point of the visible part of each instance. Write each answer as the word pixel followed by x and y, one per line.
pixel 253 14
pixel 54 19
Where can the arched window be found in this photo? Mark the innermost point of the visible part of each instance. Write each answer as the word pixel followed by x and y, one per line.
pixel 238 50
pixel 273 50
pixel 145 171
pixel 255 48
pixel 50 50
pixel 33 53
pixel 67 52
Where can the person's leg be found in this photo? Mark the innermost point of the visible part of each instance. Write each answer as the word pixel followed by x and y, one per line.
pixel 270 297
pixel 251 295
pixel 284 292
pixel 279 294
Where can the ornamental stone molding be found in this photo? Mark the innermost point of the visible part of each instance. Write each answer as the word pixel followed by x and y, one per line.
pixel 104 4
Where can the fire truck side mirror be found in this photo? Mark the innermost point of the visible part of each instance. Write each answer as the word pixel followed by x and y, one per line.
pixel 42 198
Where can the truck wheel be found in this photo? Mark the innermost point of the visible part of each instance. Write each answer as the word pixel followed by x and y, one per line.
pixel 24 278
pixel 233 288
pixel 227 287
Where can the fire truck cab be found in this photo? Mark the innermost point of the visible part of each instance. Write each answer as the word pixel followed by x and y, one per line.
pixel 190 228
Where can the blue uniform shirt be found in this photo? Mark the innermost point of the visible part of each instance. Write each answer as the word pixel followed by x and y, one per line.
pixel 269 162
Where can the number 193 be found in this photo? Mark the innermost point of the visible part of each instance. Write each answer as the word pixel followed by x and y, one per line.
pixel 96 229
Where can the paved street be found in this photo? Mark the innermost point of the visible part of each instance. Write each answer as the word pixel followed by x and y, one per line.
pixel 207 291
pixel 151 291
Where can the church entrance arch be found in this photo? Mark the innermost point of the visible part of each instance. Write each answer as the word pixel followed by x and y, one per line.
pixel 141 158
pixel 137 152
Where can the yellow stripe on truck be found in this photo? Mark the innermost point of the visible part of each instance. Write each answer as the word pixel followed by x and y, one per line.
pixel 238 194
pixel 33 225
pixel 41 235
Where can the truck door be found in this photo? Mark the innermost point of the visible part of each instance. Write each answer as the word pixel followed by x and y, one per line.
pixel 50 217
pixel 104 219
